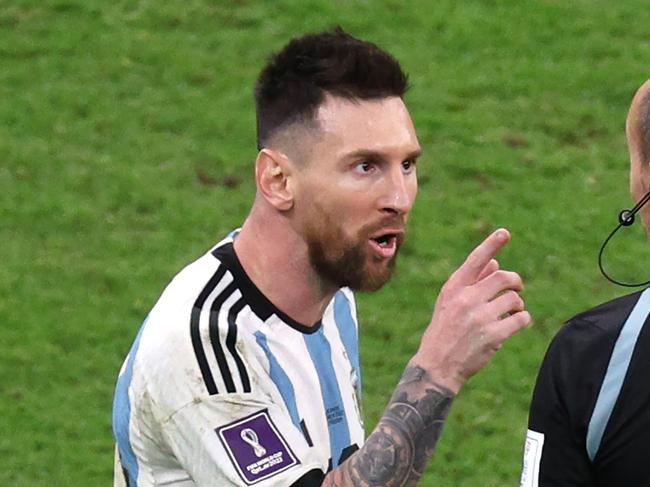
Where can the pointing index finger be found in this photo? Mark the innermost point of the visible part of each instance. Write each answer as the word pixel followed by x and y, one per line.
pixel 469 272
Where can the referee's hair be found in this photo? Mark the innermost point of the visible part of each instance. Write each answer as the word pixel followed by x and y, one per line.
pixel 296 79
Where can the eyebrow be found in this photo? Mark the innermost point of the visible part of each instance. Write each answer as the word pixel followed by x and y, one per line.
pixel 371 154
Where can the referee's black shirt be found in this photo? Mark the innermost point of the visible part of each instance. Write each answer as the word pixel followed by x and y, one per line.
pixel 569 386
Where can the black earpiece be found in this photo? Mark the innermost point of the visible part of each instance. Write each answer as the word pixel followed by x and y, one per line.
pixel 625 219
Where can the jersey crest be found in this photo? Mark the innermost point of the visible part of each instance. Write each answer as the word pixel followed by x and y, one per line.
pixel 256 447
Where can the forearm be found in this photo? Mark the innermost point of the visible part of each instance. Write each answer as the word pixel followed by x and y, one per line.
pixel 397 451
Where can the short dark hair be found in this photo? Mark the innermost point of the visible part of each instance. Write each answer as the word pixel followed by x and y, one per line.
pixel 295 81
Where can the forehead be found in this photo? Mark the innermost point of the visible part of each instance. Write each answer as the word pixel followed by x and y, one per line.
pixel 382 125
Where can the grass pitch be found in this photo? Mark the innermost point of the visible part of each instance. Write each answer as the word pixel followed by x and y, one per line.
pixel 126 149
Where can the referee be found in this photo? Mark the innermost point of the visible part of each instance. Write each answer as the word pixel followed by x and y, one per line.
pixel 589 421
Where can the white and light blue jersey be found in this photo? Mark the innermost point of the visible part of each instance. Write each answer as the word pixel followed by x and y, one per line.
pixel 222 388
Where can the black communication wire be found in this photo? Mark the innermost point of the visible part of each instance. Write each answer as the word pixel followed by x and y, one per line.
pixel 625 219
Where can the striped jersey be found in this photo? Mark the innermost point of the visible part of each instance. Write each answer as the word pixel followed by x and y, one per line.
pixel 589 422
pixel 222 388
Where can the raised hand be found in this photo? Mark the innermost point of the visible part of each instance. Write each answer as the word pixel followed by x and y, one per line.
pixel 478 308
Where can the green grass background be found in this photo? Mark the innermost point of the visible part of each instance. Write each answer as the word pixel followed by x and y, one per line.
pixel 126 150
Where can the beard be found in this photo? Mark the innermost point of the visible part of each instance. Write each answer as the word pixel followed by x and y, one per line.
pixel 348 261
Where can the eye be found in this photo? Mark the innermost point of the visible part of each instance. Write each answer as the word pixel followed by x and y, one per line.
pixel 364 167
pixel 409 165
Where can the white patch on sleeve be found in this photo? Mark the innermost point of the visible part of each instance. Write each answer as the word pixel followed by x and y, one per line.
pixel 532 459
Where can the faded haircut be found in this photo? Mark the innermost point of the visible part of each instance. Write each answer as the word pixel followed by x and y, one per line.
pixel 296 79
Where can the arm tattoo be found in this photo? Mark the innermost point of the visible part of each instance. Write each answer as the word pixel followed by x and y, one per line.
pixel 398 450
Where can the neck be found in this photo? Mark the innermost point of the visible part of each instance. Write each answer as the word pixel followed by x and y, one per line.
pixel 275 258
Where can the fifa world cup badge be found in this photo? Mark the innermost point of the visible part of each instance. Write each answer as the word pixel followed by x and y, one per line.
pixel 256 448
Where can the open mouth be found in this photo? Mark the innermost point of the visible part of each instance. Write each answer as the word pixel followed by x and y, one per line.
pixel 385 240
pixel 385 245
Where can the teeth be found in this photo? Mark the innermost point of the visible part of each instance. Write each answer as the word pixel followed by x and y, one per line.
pixel 385 242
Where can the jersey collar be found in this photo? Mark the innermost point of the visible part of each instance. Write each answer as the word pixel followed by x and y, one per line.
pixel 258 302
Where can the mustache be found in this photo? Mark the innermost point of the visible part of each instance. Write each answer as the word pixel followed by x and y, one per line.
pixel 391 222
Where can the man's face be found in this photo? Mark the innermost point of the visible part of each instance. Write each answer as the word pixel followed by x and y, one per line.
pixel 355 189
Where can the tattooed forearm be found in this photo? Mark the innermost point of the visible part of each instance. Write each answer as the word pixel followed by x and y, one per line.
pixel 398 450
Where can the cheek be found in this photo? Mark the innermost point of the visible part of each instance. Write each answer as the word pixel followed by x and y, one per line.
pixel 638 192
pixel 345 201
pixel 634 183
pixel 413 189
pixel 342 203
pixel 639 179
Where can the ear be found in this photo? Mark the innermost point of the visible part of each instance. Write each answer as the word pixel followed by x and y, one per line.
pixel 273 174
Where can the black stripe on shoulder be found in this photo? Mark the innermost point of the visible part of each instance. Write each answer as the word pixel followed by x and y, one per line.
pixel 196 334
pixel 231 340
pixel 214 336
pixel 257 301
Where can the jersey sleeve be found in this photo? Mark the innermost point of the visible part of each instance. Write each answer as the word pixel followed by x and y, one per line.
pixel 239 440
pixel 237 432
pixel 555 451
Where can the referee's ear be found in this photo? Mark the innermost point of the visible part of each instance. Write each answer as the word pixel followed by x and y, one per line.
pixel 272 173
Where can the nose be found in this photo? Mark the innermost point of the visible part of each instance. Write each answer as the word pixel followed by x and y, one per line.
pixel 400 192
